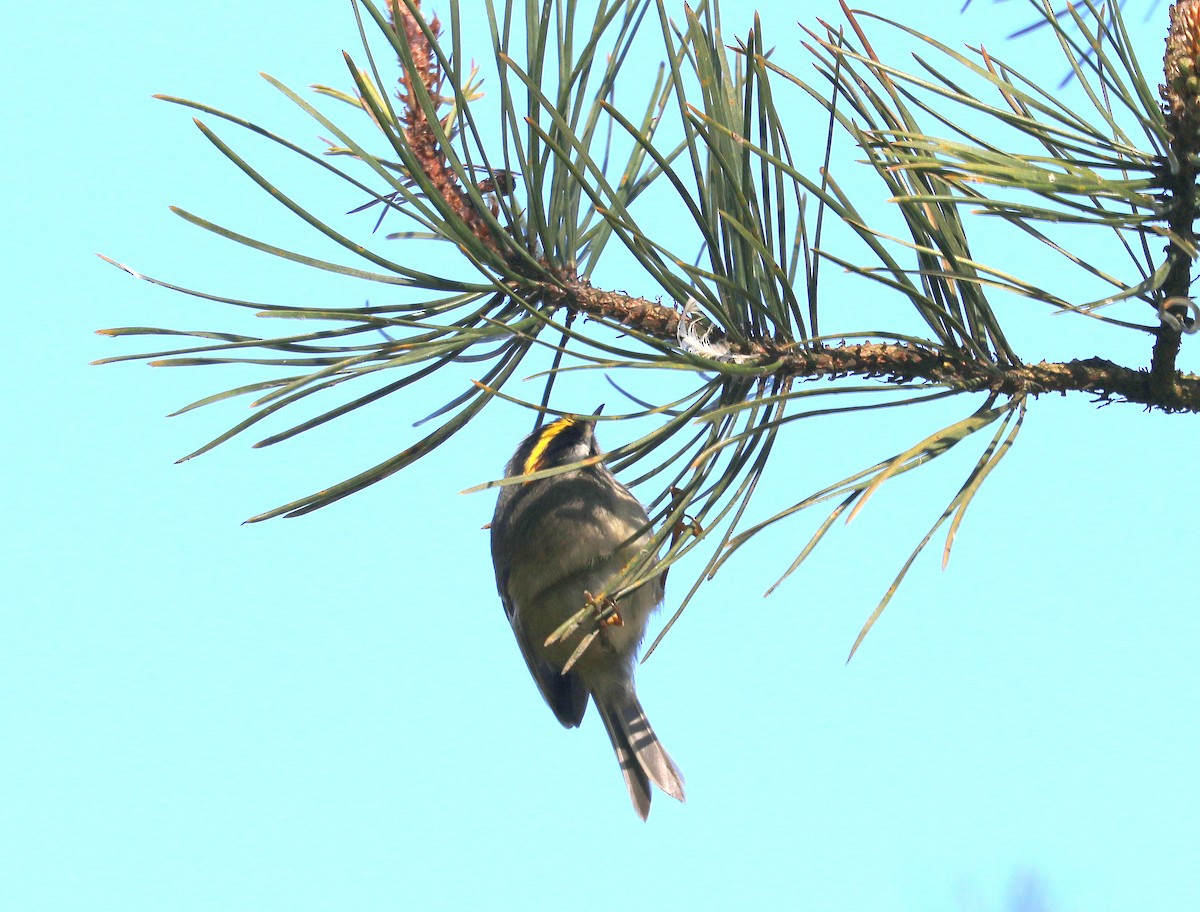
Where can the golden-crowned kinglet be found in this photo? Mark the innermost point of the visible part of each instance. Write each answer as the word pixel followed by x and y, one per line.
pixel 556 543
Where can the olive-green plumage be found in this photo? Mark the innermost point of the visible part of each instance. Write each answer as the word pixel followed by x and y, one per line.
pixel 555 540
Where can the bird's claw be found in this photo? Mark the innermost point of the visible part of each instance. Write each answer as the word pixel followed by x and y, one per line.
pixel 603 612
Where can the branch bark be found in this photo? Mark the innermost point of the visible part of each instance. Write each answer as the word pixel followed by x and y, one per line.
pixel 1105 380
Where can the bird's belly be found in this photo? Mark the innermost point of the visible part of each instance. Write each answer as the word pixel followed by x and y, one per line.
pixel 540 616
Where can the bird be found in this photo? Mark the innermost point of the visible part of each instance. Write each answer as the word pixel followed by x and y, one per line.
pixel 557 542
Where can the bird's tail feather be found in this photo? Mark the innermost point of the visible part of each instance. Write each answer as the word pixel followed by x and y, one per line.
pixel 641 755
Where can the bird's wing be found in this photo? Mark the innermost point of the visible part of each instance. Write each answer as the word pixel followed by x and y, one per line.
pixel 566 694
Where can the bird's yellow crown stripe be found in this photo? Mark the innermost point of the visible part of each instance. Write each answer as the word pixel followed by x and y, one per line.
pixel 549 432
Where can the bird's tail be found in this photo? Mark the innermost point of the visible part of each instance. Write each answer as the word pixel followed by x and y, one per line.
pixel 641 755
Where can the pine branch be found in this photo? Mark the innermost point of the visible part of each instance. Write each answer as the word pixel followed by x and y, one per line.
pixel 1181 105
pixel 896 363
pixel 555 190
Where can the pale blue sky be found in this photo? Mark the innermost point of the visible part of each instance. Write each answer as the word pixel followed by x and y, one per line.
pixel 329 713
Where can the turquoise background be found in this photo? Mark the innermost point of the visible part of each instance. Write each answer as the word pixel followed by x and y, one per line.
pixel 329 713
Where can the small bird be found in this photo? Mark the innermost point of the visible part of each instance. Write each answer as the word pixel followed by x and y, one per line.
pixel 556 543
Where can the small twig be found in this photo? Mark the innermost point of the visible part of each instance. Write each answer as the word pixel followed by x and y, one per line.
pixel 421 137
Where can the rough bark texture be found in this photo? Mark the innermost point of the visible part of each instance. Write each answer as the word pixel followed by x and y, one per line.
pixel 893 363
